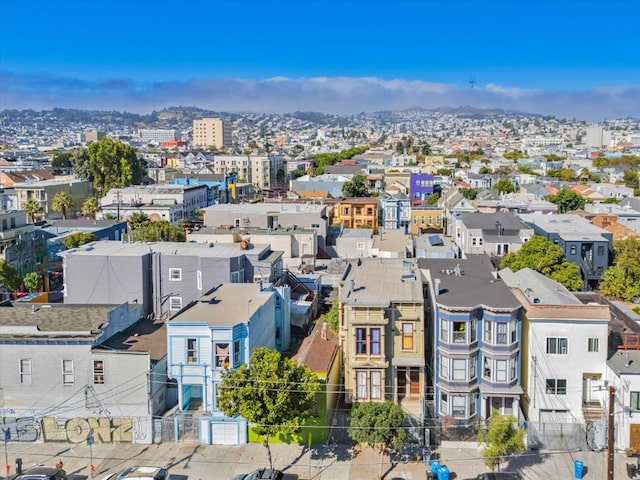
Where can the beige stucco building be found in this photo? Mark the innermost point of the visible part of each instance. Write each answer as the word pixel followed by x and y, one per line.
pixel 211 132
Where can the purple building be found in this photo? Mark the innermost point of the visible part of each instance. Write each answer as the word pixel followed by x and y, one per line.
pixel 420 187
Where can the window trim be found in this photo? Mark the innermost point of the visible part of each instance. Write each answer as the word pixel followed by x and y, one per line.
pixel 175 306
pixel 557 344
pixel 68 377
pixel 408 338
pixel 98 372
pixel 593 345
pixel 175 274
pixel 635 406
pixel 552 386
pixel 25 371
pixel 191 350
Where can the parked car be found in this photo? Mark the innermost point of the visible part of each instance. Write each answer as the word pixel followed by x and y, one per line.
pixel 139 473
pixel 43 473
pixel 261 474
pixel 499 476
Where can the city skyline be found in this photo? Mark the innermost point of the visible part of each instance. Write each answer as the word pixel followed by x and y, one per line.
pixel 560 58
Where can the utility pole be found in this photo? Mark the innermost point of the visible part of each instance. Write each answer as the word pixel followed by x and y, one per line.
pixel 610 433
pixel 118 203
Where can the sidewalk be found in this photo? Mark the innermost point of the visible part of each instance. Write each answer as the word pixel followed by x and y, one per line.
pixel 201 462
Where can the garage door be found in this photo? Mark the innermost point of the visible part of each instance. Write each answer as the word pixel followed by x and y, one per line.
pixel 634 437
pixel 224 433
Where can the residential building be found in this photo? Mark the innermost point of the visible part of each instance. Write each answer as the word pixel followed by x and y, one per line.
pixel 331 182
pixel 320 353
pixel 396 211
pixel 382 334
pixel 623 373
pixel 584 244
pixel 45 191
pixel 475 330
pixel 212 132
pixel 354 243
pixel 162 276
pixel 434 246
pixel 495 234
pixel 357 212
pixel 426 219
pixel 12 225
pixel 420 187
pixel 69 369
pixel 157 135
pixel 10 179
pixel 392 244
pixel 564 350
pixel 453 204
pixel 215 333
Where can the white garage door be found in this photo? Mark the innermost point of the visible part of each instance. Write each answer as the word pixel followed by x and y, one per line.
pixel 224 433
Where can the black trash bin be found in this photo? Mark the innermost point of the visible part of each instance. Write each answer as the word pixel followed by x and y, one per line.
pixel 631 470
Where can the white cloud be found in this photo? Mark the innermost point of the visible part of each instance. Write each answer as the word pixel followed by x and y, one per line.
pixel 325 94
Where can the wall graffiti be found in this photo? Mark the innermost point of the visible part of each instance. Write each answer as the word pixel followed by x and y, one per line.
pixel 73 430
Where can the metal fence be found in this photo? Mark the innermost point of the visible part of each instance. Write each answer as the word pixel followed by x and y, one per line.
pixel 557 436
pixel 181 427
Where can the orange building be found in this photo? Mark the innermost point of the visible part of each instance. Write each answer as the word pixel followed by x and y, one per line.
pixel 357 212
pixel 610 224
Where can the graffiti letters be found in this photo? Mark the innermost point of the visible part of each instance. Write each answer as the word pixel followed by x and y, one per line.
pixel 23 429
pixel 77 430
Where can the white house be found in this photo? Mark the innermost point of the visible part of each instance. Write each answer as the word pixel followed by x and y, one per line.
pixel 623 372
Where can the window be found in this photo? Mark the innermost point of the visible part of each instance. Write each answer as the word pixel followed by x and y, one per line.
pixel 501 370
pixel 444 403
pixel 573 249
pixel 634 403
pixel 459 369
pixel 473 367
pixel 407 336
pixel 175 303
pixel 557 345
pixel 192 350
pixel 556 386
pixel 501 335
pixel 592 345
pixel 459 332
pixel 236 353
pixel 512 368
pixel 199 280
pixel 67 372
pixel 175 274
pixel 486 368
pixel 458 406
pixel 360 245
pixel 375 341
pixel 600 250
pixel 473 330
pixel 486 331
pixel 222 355
pixel 369 385
pixel 98 372
pixel 444 367
pixel 444 330
pixel 514 331
pixel 25 371
pixel 361 341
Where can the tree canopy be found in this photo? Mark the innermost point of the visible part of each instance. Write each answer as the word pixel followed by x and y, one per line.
pixel 378 424
pixel 161 231
pixel 332 317
pixel 9 277
pixel 563 174
pixel 90 206
pixel 543 256
pixel 79 238
pixel 61 163
pixel 356 187
pixel 62 202
pixel 32 282
pixel 622 279
pixel 108 164
pixel 32 207
pixel 502 438
pixel 469 193
pixel 566 200
pixel 321 160
pixel 504 185
pixel 272 392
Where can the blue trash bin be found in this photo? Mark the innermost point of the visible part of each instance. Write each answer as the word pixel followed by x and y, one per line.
pixel 578 469
pixel 435 466
pixel 443 473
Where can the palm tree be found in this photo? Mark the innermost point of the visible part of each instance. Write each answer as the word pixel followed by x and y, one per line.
pixel 90 206
pixel 61 202
pixel 32 207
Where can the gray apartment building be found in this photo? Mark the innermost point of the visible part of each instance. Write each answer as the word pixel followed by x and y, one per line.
pixel 67 369
pixel 161 276
pixel 583 243
pixel 494 234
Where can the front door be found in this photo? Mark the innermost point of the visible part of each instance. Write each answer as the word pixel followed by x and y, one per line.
pixel 402 383
pixel 414 381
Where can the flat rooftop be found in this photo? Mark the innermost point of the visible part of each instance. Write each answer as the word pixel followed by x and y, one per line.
pixel 534 286
pixel 146 335
pixel 136 249
pixel 474 285
pixel 264 208
pixel 229 305
pixel 568 226
pixel 356 233
pixel 380 281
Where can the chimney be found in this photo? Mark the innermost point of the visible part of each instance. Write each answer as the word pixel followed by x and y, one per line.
pixel 323 331
pixel 436 285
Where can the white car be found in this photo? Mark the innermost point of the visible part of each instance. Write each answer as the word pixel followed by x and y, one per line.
pixel 139 473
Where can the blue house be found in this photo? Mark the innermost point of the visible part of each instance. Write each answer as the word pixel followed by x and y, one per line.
pixel 215 333
pixel 396 211
pixel 420 187
pixel 476 339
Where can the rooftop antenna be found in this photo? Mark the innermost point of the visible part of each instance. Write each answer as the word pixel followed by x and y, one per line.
pixel 472 80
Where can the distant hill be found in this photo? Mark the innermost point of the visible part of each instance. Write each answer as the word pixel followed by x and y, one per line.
pixel 468 110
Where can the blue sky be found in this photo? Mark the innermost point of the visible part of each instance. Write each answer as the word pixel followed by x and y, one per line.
pixel 562 57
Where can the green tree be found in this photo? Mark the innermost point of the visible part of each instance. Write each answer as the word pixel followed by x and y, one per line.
pixel 469 193
pixel 332 317
pixel 74 240
pixel 484 170
pixel 502 439
pixel 61 163
pixel 137 220
pixel 630 178
pixel 272 392
pixel 32 207
pixel 515 155
pixel 504 185
pixel 566 200
pixel 445 172
pixel 433 199
pixel 90 206
pixel 161 231
pixel 378 425
pixel 62 202
pixel 552 157
pixel 32 282
pixel 622 279
pixel 108 164
pixel 563 174
pixel 9 277
pixel 356 187
pixel 543 256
